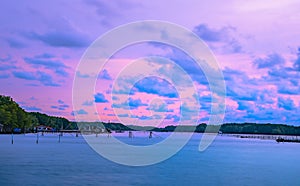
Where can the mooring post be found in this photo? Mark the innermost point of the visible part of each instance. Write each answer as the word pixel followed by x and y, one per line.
pixel 12 138
pixel 37 137
pixel 59 138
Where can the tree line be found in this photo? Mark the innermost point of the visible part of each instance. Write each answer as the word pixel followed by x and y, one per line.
pixel 12 116
pixel 237 128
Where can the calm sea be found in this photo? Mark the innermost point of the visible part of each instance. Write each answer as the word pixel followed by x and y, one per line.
pixel 228 161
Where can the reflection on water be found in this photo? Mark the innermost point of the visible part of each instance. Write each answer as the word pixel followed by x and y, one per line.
pixel 228 161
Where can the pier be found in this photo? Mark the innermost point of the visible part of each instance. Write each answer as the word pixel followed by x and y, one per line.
pixel 277 138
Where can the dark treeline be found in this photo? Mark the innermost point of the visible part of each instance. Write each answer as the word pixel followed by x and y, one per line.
pixel 237 128
pixel 228 128
pixel 252 128
pixel 13 116
pixel 100 125
pixel 52 121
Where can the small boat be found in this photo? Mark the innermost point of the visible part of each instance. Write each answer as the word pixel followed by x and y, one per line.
pixel 280 139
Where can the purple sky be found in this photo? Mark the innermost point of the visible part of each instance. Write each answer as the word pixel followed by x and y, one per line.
pixel 256 43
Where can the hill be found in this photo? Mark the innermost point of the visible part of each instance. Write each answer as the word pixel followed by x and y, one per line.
pixel 13 116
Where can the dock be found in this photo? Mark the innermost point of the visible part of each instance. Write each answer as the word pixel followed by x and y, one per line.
pixel 277 138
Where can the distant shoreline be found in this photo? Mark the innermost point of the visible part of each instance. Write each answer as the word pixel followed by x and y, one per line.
pixel 232 128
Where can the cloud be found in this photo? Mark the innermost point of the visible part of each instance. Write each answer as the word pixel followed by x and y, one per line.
pixel 6 59
pixel 79 112
pixel 14 43
pixel 129 104
pixel 212 35
pixel 297 61
pixel 205 103
pixel 60 38
pixel 244 105
pixel 100 98
pixel 56 66
pixel 277 74
pixel 294 82
pixel 39 61
pixel 104 75
pixel 135 103
pixel 111 11
pixel 286 104
pixel 24 75
pixel 265 97
pixel 284 78
pixel 60 107
pixel 87 103
pixel 78 74
pixel 145 117
pixel 115 98
pixel 4 76
pixel 4 70
pixel 123 115
pixel 32 84
pixel 120 105
pixel 283 89
pixel 32 98
pixel 270 61
pixel 226 36
pixel 172 117
pixel 239 93
pixel 262 115
pixel 103 8
pixel 153 85
pixel 189 66
pixel 42 77
pixel 45 56
pixel 193 69
pixel 61 72
pixel 231 74
pixel 7 63
pixel 31 108
pixel 46 79
pixel 159 108
pixel 206 99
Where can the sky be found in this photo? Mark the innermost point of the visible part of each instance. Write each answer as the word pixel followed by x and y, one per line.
pixel 256 44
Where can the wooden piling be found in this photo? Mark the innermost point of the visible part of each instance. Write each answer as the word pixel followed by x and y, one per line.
pixel 37 138
pixel 12 138
pixel 130 134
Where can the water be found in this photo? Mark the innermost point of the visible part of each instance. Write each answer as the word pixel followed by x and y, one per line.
pixel 228 161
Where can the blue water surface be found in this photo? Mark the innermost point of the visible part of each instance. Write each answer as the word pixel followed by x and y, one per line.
pixel 228 161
